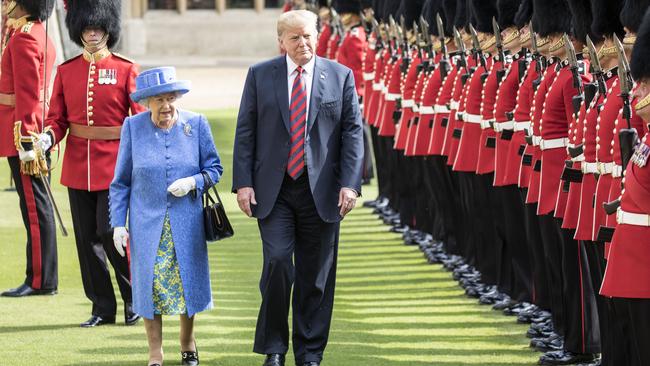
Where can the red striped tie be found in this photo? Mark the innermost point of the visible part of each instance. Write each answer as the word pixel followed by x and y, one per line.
pixel 298 110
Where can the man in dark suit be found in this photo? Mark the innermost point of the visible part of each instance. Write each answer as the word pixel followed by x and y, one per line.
pixel 297 167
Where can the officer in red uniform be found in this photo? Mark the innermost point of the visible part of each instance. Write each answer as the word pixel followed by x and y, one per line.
pixel 325 29
pixel 89 103
pixel 628 265
pixel 27 63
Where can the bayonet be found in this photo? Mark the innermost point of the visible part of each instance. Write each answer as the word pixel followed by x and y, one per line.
pixel 499 45
pixel 476 47
pixel 573 65
pixel 463 60
pixel 596 69
pixel 445 66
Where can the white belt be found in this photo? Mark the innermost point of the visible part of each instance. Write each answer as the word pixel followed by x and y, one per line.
pixel 630 218
pixel 426 109
pixel 415 108
pixel 537 140
pixel 580 157
pixel 440 109
pixel 392 96
pixel 472 118
pixel 617 171
pixel 521 126
pixel 459 116
pixel 454 105
pixel 485 123
pixel 605 168
pixel 502 126
pixel 408 103
pixel 553 143
pixel 384 89
pixel 589 168
pixel 376 86
pixel 368 76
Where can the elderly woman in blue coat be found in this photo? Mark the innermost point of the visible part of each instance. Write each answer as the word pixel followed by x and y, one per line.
pixel 164 158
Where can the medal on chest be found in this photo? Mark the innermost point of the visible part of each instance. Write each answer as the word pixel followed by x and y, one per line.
pixel 640 155
pixel 107 77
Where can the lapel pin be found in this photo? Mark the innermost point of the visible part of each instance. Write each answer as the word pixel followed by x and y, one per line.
pixel 322 76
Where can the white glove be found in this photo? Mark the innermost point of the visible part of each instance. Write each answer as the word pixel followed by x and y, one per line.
pixel 44 141
pixel 182 186
pixel 120 239
pixel 25 156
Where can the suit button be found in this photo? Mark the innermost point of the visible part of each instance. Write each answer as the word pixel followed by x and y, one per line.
pixel 169 204
pixel 91 122
pixel 91 85
pixel 168 156
pixel 92 72
pixel 90 108
pixel 90 93
pixel 90 99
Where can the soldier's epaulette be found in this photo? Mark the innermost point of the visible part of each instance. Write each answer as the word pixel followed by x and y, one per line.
pixel 123 57
pixel 70 60
pixel 27 28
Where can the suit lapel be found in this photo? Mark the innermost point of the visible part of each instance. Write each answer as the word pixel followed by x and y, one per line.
pixel 317 88
pixel 281 91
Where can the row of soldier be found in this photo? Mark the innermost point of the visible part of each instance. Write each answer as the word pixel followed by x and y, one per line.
pixel 501 132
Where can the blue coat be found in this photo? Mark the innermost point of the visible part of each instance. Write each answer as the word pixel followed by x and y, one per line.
pixel 148 161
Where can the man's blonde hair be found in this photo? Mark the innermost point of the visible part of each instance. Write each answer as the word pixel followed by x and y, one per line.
pixel 295 19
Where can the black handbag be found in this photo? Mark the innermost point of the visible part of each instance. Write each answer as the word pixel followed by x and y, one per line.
pixel 216 223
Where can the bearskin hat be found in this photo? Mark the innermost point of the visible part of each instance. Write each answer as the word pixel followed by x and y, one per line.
pixel 603 23
pixel 412 11
pixel 105 14
pixel 391 7
pixel 581 20
pixel 506 10
pixel 483 11
pixel 429 11
pixel 365 4
pixel 448 14
pixel 461 20
pixel 524 13
pixel 347 6
pixel 40 9
pixel 639 64
pixel 549 17
pixel 632 14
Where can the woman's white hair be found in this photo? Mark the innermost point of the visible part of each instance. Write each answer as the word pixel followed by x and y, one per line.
pixel 296 19
pixel 145 102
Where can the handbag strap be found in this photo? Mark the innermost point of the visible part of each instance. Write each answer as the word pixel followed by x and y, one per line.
pixel 206 177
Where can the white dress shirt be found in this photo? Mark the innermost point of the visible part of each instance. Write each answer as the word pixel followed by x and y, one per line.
pixel 307 78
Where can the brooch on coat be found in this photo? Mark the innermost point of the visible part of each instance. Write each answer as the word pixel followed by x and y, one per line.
pixel 187 129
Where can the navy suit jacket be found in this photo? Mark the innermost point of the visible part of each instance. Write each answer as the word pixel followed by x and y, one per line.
pixel 333 141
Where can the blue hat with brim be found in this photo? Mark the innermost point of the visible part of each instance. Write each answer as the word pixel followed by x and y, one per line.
pixel 160 80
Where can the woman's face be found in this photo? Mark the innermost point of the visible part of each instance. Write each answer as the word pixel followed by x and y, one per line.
pixel 163 109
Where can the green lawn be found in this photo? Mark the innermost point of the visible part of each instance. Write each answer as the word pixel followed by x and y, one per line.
pixel 391 307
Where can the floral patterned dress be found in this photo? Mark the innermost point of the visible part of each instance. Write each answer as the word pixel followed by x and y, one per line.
pixel 168 297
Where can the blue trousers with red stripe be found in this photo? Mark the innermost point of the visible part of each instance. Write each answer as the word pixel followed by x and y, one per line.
pixel 38 217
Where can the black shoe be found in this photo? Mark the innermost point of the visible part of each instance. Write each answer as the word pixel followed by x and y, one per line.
pixel 130 317
pixel 25 290
pixel 274 359
pixel 566 358
pixel 190 358
pixel 96 321
pixel 312 363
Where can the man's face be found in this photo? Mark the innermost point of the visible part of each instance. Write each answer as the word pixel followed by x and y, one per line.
pixel 642 91
pixel 92 35
pixel 299 43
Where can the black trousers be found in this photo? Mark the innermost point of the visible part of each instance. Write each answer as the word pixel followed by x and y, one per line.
pixel 94 238
pixel 368 171
pixel 381 162
pixel 490 250
pixel 38 216
pixel 639 318
pixel 300 250
pixel 541 291
pixel 552 243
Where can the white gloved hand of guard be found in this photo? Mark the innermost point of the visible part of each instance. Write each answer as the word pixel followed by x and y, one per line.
pixel 182 186
pixel 28 155
pixel 120 239
pixel 44 141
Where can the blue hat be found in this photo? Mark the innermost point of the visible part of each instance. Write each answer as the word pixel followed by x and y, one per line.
pixel 159 80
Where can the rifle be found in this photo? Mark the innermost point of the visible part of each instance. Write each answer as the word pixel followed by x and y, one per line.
pixel 596 69
pixel 573 66
pixel 476 48
pixel 406 55
pixel 379 42
pixel 428 47
pixel 392 37
pixel 445 66
pixel 502 56
pixel 337 26
pixel 462 62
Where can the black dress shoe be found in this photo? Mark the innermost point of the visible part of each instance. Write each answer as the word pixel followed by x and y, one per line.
pixel 190 358
pixel 130 317
pixel 566 358
pixel 312 363
pixel 25 290
pixel 274 359
pixel 96 320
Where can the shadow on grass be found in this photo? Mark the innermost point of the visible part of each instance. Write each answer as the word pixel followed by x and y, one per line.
pixel 36 328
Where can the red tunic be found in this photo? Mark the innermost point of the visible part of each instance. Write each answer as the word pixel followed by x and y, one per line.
pixel 393 92
pixel 80 98
pixel 572 207
pixel 420 135
pixel 440 120
pixel 455 127
pixel 408 103
pixel 628 265
pixel 323 40
pixel 351 54
pixel 487 145
pixel 376 98
pixel 525 97
pixel 333 46
pixel 21 75
pixel 368 79
pixel 467 156
pixel 505 103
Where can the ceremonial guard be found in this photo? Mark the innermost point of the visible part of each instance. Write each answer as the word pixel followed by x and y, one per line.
pixel 89 103
pixel 27 62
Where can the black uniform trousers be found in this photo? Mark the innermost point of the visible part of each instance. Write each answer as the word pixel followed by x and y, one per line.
pixel 300 250
pixel 94 239
pixel 368 171
pixel 541 295
pixel 381 161
pixel 38 216
pixel 639 318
